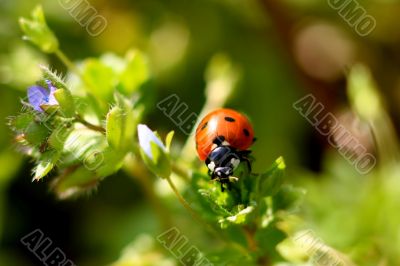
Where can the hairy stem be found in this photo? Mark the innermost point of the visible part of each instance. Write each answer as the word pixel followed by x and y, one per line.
pixel 180 171
pixel 79 119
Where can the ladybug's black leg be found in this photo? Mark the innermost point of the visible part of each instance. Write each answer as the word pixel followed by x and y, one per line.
pixel 222 187
pixel 229 185
pixel 244 153
pixel 213 175
pixel 244 158
pixel 247 161
pixel 210 173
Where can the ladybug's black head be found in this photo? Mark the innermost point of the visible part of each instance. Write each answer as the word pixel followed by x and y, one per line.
pixel 221 163
pixel 223 159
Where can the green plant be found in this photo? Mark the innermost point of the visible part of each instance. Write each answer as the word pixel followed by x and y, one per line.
pixel 84 129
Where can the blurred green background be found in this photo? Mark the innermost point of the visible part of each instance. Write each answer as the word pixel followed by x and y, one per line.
pixel 282 50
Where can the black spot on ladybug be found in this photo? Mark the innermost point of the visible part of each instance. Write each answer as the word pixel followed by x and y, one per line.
pixel 246 132
pixel 229 119
pixel 218 140
pixel 204 125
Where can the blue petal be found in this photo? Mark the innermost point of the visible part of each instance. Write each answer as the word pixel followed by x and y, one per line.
pixel 51 100
pixel 37 96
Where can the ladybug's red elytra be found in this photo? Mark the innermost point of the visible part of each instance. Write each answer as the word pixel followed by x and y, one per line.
pixel 222 141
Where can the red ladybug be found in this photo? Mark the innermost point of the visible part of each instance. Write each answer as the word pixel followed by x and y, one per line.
pixel 222 140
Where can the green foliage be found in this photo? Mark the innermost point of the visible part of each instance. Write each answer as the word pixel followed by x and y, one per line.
pixel 37 31
pixel 135 73
pixel 100 79
pixel 66 102
pixel 73 181
pixel 255 204
pixel 71 135
pixel 47 162
pixel 91 134
pixel 36 133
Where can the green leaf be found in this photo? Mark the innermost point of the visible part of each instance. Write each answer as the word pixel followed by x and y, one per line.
pixel 218 209
pixel 241 216
pixel 109 162
pixel 56 78
pixel 47 162
pixel 156 152
pixel 89 107
pixel 21 122
pixel 292 252
pixel 168 140
pixel 266 212
pixel 131 118
pixel 36 133
pixel 114 127
pixel 201 192
pixel 228 257
pixel 50 110
pixel 269 183
pixel 37 31
pixel 59 135
pixel 100 79
pixel 288 197
pixel 74 181
pixel 66 102
pixel 244 186
pixel 135 74
pixel 82 145
pixel 268 238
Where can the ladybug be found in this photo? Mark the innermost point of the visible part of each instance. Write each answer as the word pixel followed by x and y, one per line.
pixel 222 141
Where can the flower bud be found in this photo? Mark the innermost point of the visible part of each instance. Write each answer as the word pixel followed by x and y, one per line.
pixel 37 31
pixel 114 127
pixel 66 102
pixel 153 152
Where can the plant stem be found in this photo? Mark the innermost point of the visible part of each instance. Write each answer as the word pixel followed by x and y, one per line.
pixel 249 234
pixel 179 171
pixel 89 125
pixel 68 63
pixel 186 205
pixel 195 216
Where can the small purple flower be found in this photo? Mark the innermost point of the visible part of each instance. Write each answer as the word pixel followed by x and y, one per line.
pixel 38 96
